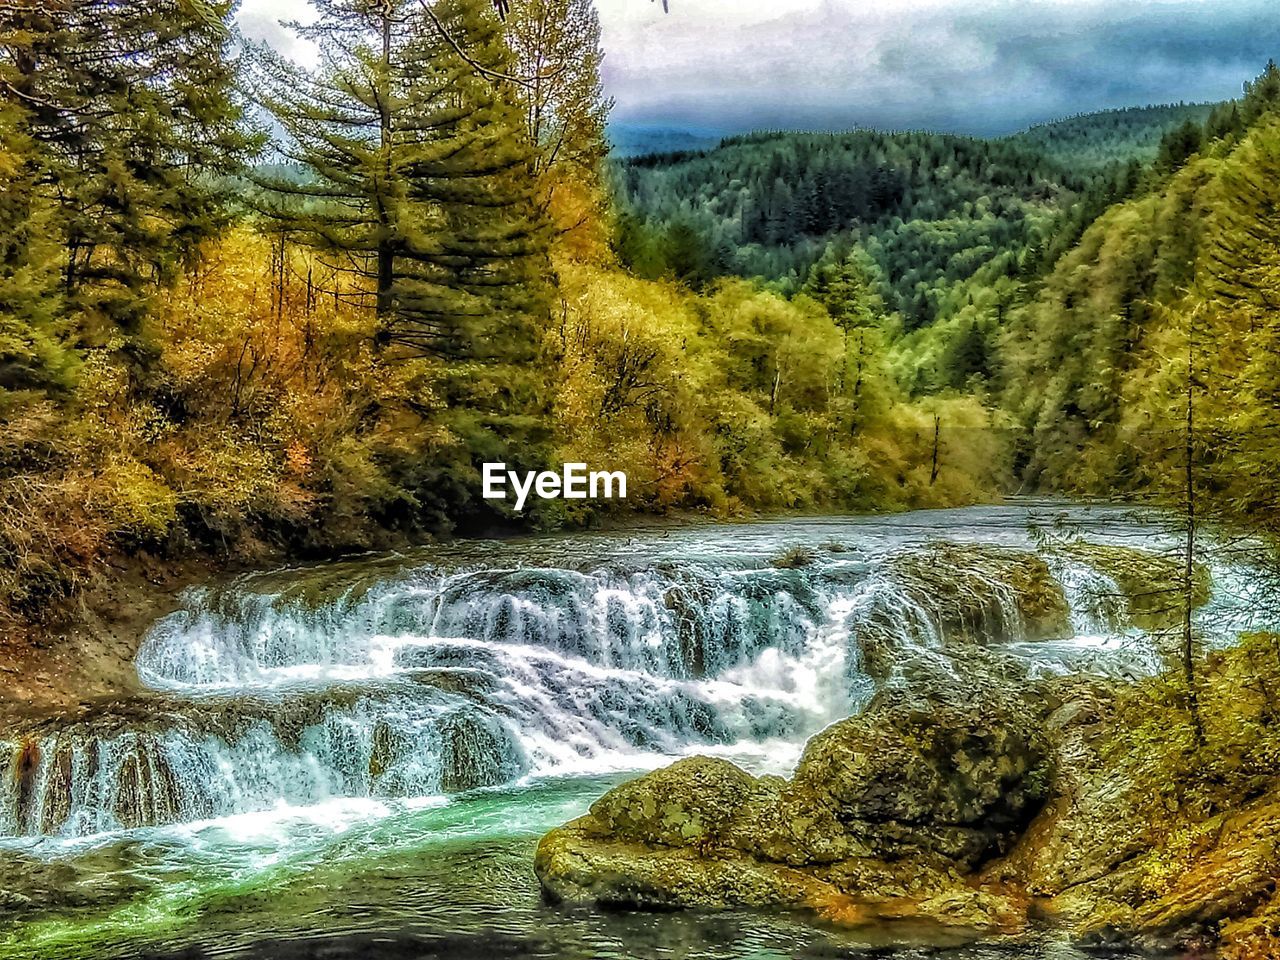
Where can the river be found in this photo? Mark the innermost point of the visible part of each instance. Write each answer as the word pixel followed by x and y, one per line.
pixel 357 759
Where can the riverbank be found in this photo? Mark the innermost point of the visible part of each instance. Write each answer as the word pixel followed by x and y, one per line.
pixel 82 651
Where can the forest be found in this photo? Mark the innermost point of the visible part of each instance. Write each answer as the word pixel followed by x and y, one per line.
pixel 253 309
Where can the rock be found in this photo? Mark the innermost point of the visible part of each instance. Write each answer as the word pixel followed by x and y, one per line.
pixel 692 802
pixel 983 594
pixel 1228 877
pixel 886 814
pixel 478 750
pixel 582 863
pixel 954 598
pixel 929 774
pixel 1150 582
pixel 1074 854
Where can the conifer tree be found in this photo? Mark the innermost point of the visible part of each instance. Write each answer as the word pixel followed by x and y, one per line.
pixel 131 114
pixel 32 358
pixel 419 173
pixel 420 185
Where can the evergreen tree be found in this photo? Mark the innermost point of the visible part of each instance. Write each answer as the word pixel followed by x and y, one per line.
pixel 32 357
pixel 969 356
pixel 422 188
pixel 846 286
pixel 421 179
pixel 131 114
pixel 1179 146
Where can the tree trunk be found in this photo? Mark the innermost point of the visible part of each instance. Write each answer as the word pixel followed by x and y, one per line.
pixel 937 436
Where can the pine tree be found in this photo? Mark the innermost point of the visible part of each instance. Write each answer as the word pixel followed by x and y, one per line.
pixel 131 114
pixel 846 286
pixel 421 186
pixel 968 356
pixel 32 357
pixel 421 178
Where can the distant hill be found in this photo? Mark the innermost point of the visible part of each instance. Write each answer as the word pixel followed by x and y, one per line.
pixel 635 141
pixel 1113 136
pixel 929 209
pixel 932 210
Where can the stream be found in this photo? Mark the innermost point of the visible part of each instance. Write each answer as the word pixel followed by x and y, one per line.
pixel 357 759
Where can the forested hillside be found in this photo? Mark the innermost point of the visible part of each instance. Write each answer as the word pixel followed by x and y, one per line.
pixel 930 210
pixel 1159 330
pixel 638 140
pixel 1113 136
pixel 927 208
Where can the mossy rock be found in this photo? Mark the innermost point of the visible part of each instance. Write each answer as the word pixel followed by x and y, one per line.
pixel 921 788
pixel 985 594
pixel 1151 583
pixel 582 862
pixel 952 776
pixel 692 802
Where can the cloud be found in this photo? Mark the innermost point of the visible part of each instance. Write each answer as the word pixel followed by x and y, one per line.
pixel 981 67
pixel 977 66
pixel 260 20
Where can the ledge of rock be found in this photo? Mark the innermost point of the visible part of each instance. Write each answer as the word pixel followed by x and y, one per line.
pixel 886 817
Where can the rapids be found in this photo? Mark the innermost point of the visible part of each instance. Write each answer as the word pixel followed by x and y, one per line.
pixel 347 750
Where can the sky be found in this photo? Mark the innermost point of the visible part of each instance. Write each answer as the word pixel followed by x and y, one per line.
pixel 971 66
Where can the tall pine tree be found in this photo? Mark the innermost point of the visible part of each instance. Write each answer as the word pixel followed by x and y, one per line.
pixel 130 112
pixel 420 184
pixel 419 174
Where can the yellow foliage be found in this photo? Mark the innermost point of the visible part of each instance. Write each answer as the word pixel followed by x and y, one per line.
pixel 135 500
pixel 739 399
pixel 265 406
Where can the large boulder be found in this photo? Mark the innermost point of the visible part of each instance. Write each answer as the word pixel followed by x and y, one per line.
pixel 956 776
pixel 583 862
pixel 690 803
pixel 887 812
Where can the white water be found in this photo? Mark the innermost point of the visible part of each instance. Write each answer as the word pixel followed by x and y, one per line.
pixel 472 669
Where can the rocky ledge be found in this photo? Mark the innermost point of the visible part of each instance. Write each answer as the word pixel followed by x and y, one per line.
pixel 887 817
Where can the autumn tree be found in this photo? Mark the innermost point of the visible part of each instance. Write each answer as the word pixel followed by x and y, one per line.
pixel 558 58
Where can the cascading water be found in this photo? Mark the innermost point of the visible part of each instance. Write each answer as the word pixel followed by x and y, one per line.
pixel 323 697
pixel 439 679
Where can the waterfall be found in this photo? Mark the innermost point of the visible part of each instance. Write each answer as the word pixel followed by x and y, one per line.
pixel 1098 604
pixel 212 760
pixel 436 677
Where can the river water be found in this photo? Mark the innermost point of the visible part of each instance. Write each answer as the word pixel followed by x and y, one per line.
pixel 357 759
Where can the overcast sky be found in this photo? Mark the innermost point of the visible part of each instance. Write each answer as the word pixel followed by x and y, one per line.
pixel 980 66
